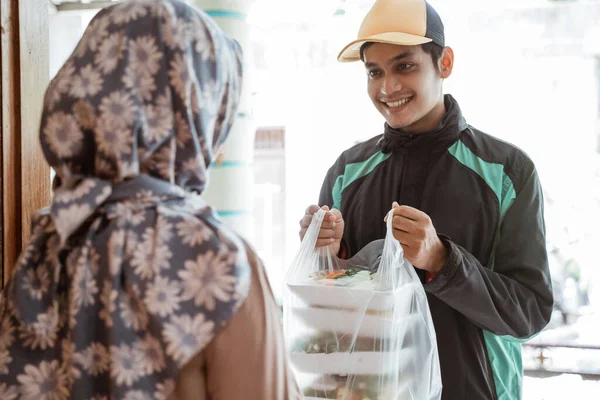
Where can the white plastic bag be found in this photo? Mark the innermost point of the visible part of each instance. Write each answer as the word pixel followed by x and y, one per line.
pixel 359 329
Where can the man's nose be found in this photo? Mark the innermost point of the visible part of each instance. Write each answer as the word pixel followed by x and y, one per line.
pixel 390 85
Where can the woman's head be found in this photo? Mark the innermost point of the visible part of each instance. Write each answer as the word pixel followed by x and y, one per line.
pixel 152 87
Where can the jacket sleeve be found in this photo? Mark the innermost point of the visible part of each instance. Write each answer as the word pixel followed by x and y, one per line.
pixel 326 197
pixel 514 296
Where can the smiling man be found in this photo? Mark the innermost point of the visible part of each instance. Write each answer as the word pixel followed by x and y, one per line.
pixel 468 206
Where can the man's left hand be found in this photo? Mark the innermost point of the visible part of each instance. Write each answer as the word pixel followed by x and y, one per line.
pixel 418 238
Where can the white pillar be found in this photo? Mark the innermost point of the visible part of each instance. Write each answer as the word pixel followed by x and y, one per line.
pixel 231 190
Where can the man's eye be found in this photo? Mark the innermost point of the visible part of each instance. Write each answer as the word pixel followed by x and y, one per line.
pixel 373 73
pixel 404 66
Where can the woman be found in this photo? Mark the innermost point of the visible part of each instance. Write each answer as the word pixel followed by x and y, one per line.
pixel 131 288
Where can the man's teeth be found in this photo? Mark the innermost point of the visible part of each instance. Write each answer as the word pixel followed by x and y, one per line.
pixel 399 102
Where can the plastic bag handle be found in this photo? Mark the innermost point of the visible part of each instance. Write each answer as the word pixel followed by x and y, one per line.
pixel 307 246
pixel 312 233
pixel 391 245
pixel 390 223
pixel 394 254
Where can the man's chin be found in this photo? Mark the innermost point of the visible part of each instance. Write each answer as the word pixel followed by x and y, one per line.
pixel 396 121
pixel 395 124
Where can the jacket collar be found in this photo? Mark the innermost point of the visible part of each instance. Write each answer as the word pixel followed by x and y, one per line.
pixel 439 139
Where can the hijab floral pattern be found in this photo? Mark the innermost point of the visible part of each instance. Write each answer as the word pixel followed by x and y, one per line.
pixel 128 274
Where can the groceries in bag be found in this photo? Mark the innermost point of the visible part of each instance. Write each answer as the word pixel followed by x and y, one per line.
pixel 359 328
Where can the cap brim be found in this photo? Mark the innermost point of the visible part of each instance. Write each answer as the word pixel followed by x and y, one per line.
pixel 352 51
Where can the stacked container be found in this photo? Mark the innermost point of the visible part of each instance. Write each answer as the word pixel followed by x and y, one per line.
pixel 359 332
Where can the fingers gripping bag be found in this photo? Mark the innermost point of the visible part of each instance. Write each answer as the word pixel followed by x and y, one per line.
pixel 359 329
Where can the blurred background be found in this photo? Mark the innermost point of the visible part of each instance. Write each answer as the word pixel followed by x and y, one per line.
pixel 526 71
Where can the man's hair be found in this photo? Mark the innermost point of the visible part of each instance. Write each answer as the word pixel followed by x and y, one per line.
pixel 433 49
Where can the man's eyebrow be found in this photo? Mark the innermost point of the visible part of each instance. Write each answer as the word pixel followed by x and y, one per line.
pixel 399 57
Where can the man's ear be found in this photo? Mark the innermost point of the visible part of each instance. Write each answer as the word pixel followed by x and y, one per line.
pixel 446 62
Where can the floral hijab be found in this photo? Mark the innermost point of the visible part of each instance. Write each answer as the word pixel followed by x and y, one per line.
pixel 128 275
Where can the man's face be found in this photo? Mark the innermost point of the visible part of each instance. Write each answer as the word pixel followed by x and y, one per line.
pixel 405 86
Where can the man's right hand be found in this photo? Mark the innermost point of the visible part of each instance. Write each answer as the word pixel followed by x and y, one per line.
pixel 332 228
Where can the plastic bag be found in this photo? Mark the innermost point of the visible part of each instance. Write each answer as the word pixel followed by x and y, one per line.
pixel 359 329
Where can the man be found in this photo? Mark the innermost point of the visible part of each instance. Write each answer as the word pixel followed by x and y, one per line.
pixel 468 207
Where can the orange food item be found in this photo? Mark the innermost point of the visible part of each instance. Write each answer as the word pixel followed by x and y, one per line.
pixel 336 274
pixel 343 394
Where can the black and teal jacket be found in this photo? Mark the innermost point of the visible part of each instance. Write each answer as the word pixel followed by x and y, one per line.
pixel 485 200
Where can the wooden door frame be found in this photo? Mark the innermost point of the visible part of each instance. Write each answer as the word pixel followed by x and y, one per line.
pixel 24 70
